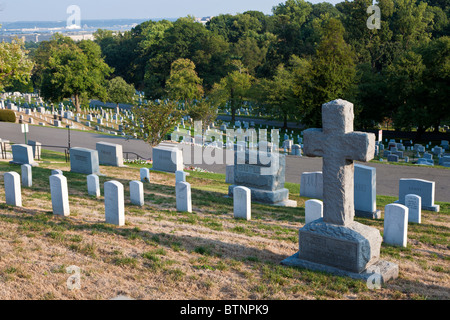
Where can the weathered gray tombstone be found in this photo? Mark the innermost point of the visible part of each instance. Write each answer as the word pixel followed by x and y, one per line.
pixel 13 192
pixel 336 243
pixel 392 158
pixel 242 203
pixel 395 224
pixel 23 154
pixel 57 171
pixel 167 159
pixel 313 210
pixel 27 176
pixel 366 192
pixel 84 161
pixel 137 193
pixel 36 147
pixel 114 203
pixel 110 154
pixel 180 176
pixel 144 175
pixel 414 204
pixel 423 188
pixel 264 174
pixel 311 185
pixel 60 195
pixel 93 185
pixel 229 174
pixel 183 197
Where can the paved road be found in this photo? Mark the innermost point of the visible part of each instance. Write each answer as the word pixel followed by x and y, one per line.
pixel 387 175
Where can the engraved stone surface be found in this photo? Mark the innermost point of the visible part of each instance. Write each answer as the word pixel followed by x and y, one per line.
pixel 84 161
pixel 110 154
pixel 114 203
pixel 395 224
pixel 353 247
pixel 366 192
pixel 311 185
pixel 27 176
pixel 60 195
pixel 242 203
pixel 13 192
pixel 93 185
pixel 23 154
pixel 167 159
pixel 414 203
pixel 183 197
pixel 264 174
pixel 137 193
pixel 313 210
pixel 423 188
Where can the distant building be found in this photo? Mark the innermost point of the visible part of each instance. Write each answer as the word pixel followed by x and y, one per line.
pixel 203 20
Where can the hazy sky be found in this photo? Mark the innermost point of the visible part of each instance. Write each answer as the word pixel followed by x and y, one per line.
pixel 53 10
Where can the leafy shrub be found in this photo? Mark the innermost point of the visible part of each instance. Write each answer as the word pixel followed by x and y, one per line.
pixel 7 116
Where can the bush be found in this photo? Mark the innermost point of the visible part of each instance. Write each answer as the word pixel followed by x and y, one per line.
pixel 7 116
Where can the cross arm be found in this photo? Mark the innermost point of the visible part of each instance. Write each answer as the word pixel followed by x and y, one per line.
pixel 313 142
pixel 359 146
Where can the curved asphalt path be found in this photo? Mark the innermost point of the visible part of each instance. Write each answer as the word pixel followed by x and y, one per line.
pixel 387 175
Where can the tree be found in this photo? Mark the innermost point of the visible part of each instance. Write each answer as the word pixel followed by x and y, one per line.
pixel 119 91
pixel 153 122
pixel 14 63
pixel 278 95
pixel 233 89
pixel 73 70
pixel 332 72
pixel 184 83
pixel 203 111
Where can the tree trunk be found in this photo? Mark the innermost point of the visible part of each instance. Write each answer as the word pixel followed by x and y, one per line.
pixel 285 124
pixel 77 102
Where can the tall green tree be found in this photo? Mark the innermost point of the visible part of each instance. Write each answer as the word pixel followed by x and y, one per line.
pixel 184 83
pixel 14 63
pixel 332 72
pixel 233 89
pixel 73 70
pixel 119 91
pixel 152 122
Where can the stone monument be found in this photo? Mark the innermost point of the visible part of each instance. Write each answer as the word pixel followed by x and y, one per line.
pixel 336 243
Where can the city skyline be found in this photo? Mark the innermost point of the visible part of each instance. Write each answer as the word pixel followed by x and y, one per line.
pixel 56 10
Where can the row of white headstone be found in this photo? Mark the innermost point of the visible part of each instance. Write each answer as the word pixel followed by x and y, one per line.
pixel 114 194
pixel 396 218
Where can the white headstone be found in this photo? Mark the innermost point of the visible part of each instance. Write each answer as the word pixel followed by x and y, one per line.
pixel 137 193
pixel 60 195
pixel 93 185
pixel 114 203
pixel 313 210
pixel 13 192
pixel 27 176
pixel 414 204
pixel 311 185
pixel 145 175
pixel 242 203
pixel 395 224
pixel 57 171
pixel 183 195
pixel 180 176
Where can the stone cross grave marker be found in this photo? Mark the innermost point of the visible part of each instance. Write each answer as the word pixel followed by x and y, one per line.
pixel 336 243
pixel 339 146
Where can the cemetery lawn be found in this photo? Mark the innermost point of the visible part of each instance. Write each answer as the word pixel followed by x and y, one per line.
pixel 164 254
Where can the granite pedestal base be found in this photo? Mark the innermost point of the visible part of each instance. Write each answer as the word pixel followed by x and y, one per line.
pixel 351 250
